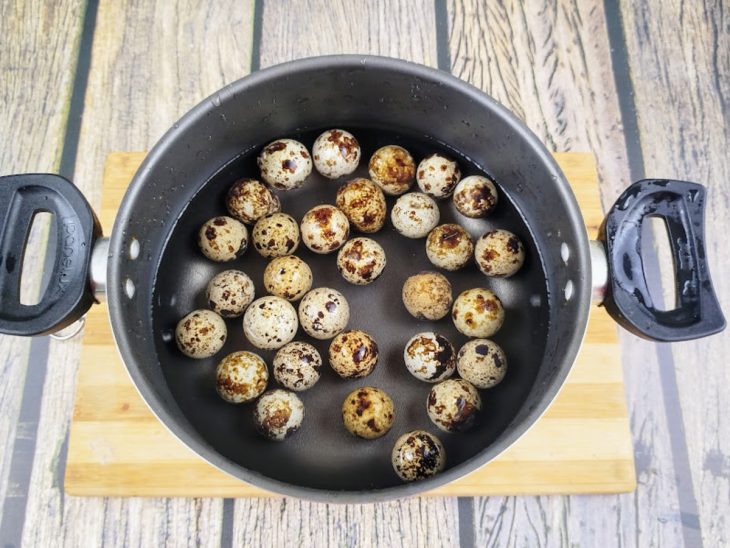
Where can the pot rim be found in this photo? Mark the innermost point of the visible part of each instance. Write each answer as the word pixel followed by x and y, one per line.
pixel 115 288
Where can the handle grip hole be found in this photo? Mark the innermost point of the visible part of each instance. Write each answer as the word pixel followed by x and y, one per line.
pixel 659 268
pixel 41 238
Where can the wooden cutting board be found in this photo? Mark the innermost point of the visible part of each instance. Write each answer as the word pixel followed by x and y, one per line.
pixel 581 445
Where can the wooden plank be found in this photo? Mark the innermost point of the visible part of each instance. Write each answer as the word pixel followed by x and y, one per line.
pixel 37 66
pixel 551 64
pixel 684 125
pixel 150 63
pixel 399 28
pixel 113 429
pixel 291 30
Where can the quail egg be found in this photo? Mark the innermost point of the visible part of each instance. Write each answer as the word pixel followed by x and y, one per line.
pixel 296 366
pixel 323 313
pixel 368 412
pixel 229 293
pixel 427 295
pixel 276 235
pixel 430 357
pixel 482 362
pixel 499 253
pixel 285 164
pixel 222 239
pixel 336 153
pixel 248 200
pixel 270 322
pixel 414 215
pixel 418 455
pixel 453 405
pixel 437 175
pixel 449 247
pixel 392 168
pixel 324 229
pixel 288 277
pixel 278 414
pixel 353 354
pixel 478 313
pixel 363 203
pixel 475 196
pixel 241 377
pixel 361 261
pixel 201 334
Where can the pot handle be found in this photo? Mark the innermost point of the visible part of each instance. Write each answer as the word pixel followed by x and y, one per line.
pixel 682 206
pixel 69 294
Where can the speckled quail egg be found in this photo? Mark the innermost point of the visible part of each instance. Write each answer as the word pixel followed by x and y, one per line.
pixel 453 405
pixel 361 261
pixel 222 239
pixel 324 228
pixel 270 322
pixel 430 357
pixel 285 164
pixel 278 414
pixel 296 366
pixel 201 334
pixel 392 168
pixel 248 200
pixel 275 235
pixel 368 412
pixel 241 377
pixel 437 175
pixel 482 362
pixel 418 455
pixel 478 312
pixel 336 153
pixel 288 277
pixel 229 293
pixel 414 215
pixel 499 253
pixel 427 295
pixel 475 196
pixel 449 247
pixel 323 313
pixel 353 354
pixel 363 203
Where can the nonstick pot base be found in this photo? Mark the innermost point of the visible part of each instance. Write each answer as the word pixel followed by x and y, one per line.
pixel 581 445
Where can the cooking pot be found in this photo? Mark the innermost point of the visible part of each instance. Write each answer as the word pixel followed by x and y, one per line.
pixel 152 274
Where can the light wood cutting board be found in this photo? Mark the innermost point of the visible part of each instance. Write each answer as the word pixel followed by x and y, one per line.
pixel 581 445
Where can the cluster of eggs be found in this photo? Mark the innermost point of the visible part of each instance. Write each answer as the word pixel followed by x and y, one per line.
pixel 271 322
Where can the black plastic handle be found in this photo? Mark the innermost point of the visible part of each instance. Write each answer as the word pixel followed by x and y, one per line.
pixel 682 205
pixel 68 295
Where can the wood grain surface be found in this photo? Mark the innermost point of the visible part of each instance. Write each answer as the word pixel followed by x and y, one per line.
pixel 36 75
pixel 574 70
pixel 582 444
pixel 150 63
pixel 550 63
pixel 680 66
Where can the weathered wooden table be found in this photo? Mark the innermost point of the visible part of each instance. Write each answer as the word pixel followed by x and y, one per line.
pixel 644 85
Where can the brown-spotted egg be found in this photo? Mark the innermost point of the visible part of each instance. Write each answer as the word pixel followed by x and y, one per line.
pixel 275 235
pixel 324 229
pixel 363 203
pixel 278 414
pixel 270 322
pixel 323 313
pixel 297 366
pixel 418 455
pixel 414 215
pixel 241 377
pixel 222 239
pixel 361 261
pixel 248 200
pixel 449 246
pixel 336 153
pixel 478 312
pixel 437 175
pixel 285 164
pixel 475 196
pixel 368 412
pixel 392 168
pixel 230 292
pixel 427 295
pixel 499 253
pixel 453 405
pixel 353 354
pixel 430 357
pixel 200 334
pixel 288 277
pixel 482 362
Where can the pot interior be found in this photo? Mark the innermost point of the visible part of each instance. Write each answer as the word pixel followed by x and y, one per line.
pixel 323 454
pixel 381 101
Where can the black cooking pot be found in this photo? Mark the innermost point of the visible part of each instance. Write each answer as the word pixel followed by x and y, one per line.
pixel 153 274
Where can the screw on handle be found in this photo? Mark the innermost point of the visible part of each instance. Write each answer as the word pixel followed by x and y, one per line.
pixel 682 205
pixel 68 295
